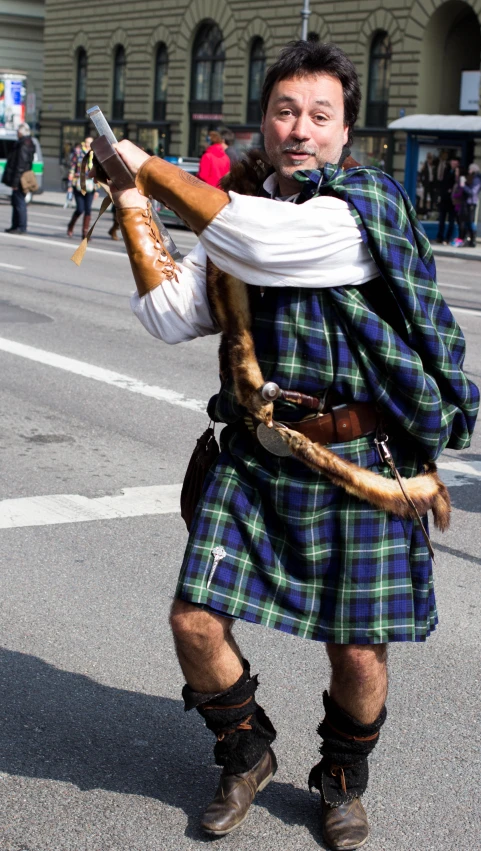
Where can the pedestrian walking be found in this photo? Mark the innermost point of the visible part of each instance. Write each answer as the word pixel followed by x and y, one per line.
pixel 445 205
pixel 83 197
pixel 329 346
pixel 214 162
pixel 471 193
pixel 229 139
pixel 114 230
pixel 19 162
pixel 457 197
pixel 428 183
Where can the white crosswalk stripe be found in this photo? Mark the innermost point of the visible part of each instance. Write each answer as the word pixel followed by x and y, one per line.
pixel 73 508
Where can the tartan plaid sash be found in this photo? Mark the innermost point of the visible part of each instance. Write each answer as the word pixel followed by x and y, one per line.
pixel 420 380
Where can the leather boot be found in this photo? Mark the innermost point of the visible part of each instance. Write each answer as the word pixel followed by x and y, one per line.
pixel 71 223
pixel 86 226
pixel 344 827
pixel 151 263
pixel 113 231
pixel 194 201
pixel 235 794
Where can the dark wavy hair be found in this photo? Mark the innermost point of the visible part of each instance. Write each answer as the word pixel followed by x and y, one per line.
pixel 303 58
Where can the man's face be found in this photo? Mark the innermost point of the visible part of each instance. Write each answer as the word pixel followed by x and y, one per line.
pixel 88 141
pixel 304 126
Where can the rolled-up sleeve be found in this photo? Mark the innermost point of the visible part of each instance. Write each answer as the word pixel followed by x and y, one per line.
pixel 267 243
pixel 178 310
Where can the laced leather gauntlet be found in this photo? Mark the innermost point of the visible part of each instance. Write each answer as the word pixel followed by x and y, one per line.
pixel 150 261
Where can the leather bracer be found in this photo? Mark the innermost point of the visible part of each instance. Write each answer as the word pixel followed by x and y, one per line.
pixel 194 201
pixel 151 263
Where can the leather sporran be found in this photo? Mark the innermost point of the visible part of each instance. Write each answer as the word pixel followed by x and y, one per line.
pixel 201 460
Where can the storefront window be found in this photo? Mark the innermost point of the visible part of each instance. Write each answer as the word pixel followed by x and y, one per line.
pixel 434 161
pixel 372 150
pixel 160 83
pixel 379 77
pixel 81 92
pixel 154 139
pixel 257 66
pixel 119 83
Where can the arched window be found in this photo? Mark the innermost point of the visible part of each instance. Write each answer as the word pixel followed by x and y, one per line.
pixel 81 89
pixel 207 86
pixel 119 83
pixel 160 82
pixel 379 76
pixel 257 67
pixel 208 65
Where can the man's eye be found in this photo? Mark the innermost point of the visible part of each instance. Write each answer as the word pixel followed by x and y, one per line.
pixel 285 112
pixel 321 117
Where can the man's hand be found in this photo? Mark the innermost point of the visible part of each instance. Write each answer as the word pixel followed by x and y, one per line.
pixel 128 198
pixel 132 156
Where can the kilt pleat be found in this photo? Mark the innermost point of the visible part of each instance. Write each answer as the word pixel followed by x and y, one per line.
pixel 302 555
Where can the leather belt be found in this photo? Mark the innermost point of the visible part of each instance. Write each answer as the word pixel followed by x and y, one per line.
pixel 342 423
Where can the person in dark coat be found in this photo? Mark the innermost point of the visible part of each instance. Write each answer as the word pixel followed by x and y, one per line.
pixel 446 207
pixel 229 139
pixel 19 161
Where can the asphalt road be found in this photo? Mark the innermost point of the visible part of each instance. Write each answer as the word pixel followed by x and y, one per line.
pixel 96 753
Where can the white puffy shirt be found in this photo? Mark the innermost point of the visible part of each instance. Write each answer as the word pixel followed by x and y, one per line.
pixel 264 243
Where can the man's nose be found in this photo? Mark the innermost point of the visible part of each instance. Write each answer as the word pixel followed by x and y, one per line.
pixel 301 128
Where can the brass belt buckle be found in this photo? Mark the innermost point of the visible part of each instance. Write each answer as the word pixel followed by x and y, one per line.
pixel 271 440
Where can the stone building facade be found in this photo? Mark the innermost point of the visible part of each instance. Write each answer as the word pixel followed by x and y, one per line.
pixel 166 71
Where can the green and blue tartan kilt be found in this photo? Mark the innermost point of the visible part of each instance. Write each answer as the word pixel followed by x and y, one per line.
pixel 302 555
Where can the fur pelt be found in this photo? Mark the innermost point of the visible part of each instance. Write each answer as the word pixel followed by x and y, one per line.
pixel 426 490
pixel 229 302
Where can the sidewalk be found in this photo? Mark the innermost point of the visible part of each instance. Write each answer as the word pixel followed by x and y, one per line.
pixel 459 253
pixel 57 199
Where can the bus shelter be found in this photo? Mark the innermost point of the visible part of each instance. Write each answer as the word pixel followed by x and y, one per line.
pixel 430 139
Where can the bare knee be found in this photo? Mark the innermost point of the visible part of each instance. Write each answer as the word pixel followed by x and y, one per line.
pixel 359 662
pixel 197 630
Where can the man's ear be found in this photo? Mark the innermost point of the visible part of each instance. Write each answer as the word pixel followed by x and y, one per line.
pixel 346 134
pixel 263 123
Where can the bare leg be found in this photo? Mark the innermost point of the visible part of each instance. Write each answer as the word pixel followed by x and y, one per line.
pixel 359 679
pixel 208 654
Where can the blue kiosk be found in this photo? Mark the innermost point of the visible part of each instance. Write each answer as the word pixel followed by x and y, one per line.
pixel 433 134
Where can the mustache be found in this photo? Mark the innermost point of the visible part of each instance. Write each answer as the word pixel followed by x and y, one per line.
pixel 298 149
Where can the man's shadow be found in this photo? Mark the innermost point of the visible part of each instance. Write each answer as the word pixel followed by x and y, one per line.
pixel 64 726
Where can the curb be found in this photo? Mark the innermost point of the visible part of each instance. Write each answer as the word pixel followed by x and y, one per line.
pixel 459 253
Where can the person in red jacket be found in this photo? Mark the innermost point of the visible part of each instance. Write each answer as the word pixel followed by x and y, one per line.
pixel 214 162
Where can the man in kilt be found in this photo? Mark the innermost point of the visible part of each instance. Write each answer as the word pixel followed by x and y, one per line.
pixel 345 311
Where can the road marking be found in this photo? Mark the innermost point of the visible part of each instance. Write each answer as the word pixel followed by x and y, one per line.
pixel 70 245
pixel 73 508
pixel 60 227
pixel 456 473
pixel 454 286
pixel 138 502
pixel 49 215
pixel 467 310
pixel 9 266
pixel 88 370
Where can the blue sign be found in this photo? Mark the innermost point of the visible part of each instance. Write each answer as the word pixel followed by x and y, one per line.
pixel 16 92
